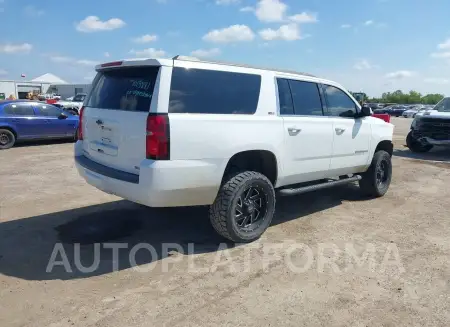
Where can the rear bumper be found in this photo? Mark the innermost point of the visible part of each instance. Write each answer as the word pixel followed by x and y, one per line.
pixel 159 184
pixel 94 167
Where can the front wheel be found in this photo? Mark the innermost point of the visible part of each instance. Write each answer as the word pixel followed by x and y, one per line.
pixel 7 139
pixel 376 180
pixel 416 146
pixel 244 207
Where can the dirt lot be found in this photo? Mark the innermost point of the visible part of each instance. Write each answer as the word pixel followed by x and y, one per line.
pixel 403 281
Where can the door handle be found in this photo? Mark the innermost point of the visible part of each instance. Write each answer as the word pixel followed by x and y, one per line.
pixel 15 120
pixel 339 131
pixel 294 131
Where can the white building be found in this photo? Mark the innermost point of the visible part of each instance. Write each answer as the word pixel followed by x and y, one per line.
pixel 47 83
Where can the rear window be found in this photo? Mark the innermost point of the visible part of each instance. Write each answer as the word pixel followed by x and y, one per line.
pixel 128 89
pixel 213 92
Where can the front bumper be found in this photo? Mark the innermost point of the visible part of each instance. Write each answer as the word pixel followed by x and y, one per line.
pixel 427 138
pixel 437 142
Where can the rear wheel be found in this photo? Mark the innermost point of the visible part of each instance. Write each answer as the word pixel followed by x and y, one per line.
pixel 7 139
pixel 416 146
pixel 244 207
pixel 376 180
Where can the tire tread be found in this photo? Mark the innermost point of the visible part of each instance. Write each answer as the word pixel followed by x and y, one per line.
pixel 219 209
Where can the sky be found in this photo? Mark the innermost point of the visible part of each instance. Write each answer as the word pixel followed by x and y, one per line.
pixel 373 46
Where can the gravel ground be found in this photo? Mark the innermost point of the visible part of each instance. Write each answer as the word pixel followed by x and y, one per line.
pixel 330 258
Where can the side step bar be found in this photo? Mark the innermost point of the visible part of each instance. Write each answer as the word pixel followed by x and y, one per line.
pixel 315 187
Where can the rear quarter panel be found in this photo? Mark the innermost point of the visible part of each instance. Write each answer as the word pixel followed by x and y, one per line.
pixel 215 138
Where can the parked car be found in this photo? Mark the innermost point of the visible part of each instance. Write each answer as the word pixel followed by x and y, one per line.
pixel 411 112
pixel 48 96
pixel 22 120
pixel 381 111
pixel 430 128
pixel 74 105
pixel 183 132
pixel 396 110
pixel 388 104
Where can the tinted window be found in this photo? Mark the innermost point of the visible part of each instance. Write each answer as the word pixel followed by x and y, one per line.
pixel 213 92
pixel 339 103
pixel 306 98
pixel 129 89
pixel 18 109
pixel 285 97
pixel 48 110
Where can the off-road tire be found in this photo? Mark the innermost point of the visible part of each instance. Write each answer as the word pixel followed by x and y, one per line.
pixel 368 184
pixel 9 137
pixel 222 211
pixel 415 146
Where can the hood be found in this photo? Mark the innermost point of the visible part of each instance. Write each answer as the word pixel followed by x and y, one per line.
pixel 433 114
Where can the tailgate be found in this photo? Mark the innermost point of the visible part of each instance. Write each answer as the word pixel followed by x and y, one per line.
pixel 115 115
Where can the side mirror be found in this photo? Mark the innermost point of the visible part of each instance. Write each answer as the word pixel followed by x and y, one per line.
pixel 366 111
pixel 62 116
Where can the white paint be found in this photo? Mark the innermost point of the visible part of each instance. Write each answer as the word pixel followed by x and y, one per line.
pixel 202 144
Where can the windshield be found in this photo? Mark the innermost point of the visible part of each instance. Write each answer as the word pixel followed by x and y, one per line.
pixel 443 105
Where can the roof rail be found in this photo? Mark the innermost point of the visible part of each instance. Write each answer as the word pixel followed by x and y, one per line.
pixel 188 58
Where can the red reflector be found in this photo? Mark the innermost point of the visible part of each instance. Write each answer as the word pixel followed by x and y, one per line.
pixel 80 124
pixel 112 64
pixel 157 145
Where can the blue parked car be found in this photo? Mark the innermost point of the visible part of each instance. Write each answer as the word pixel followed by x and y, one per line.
pixel 22 120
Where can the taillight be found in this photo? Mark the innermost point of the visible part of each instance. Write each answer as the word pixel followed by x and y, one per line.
pixel 112 64
pixel 80 124
pixel 158 137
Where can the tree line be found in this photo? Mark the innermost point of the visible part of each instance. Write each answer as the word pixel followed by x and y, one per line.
pixel 413 97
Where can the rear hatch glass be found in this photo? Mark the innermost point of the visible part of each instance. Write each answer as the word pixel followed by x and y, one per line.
pixel 129 89
pixel 115 114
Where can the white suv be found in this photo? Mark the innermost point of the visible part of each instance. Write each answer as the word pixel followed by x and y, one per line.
pixel 183 132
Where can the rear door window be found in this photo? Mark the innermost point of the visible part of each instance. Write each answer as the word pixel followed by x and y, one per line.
pixel 306 98
pixel 285 97
pixel 18 109
pixel 204 91
pixel 128 89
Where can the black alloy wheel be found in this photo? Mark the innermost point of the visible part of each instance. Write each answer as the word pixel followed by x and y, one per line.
pixel 244 207
pixel 251 208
